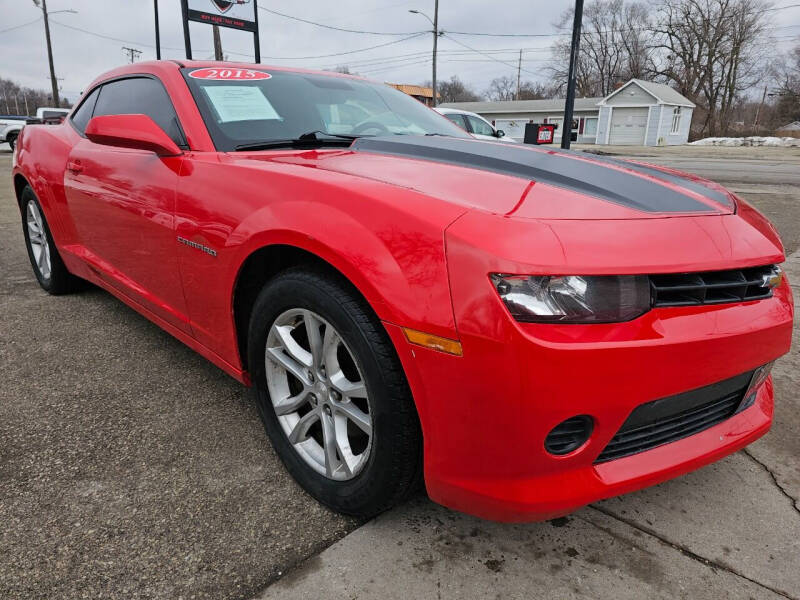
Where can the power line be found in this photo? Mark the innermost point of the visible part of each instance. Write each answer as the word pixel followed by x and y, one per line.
pixel 513 66
pixel 21 26
pixel 284 15
pixel 405 39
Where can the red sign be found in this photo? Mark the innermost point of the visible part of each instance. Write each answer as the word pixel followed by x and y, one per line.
pixel 545 134
pixel 229 74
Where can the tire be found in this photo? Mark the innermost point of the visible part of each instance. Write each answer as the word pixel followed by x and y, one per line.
pixel 49 269
pixel 12 140
pixel 388 467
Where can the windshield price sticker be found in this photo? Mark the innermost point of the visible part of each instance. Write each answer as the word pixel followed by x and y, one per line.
pixel 229 74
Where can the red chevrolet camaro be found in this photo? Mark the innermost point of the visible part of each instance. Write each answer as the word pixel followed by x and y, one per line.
pixel 527 329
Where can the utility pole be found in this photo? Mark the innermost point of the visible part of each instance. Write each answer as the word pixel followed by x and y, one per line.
pixel 435 23
pixel 53 81
pixel 158 31
pixel 435 42
pixel 25 97
pixel 217 44
pixel 132 53
pixel 569 104
pixel 758 110
pixel 519 72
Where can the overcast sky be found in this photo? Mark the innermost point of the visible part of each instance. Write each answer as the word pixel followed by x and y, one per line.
pixel 81 56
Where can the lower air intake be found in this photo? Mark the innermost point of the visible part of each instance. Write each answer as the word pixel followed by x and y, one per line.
pixel 670 419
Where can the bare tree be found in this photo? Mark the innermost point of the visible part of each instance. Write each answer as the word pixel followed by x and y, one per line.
pixel 710 50
pixel 787 93
pixel 15 99
pixel 455 90
pixel 502 88
pixel 534 90
pixel 613 48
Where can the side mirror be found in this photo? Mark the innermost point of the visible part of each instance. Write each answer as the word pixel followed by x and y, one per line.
pixel 500 133
pixel 138 132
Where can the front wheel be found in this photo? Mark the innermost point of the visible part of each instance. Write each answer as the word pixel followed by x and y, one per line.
pixel 12 140
pixel 332 394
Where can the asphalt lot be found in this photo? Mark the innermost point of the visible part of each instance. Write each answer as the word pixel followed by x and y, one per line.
pixel 130 467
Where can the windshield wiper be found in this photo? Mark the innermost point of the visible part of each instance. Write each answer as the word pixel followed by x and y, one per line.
pixel 307 140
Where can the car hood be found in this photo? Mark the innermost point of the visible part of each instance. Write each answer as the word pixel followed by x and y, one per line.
pixel 521 181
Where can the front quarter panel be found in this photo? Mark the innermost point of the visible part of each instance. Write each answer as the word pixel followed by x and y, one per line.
pixel 387 241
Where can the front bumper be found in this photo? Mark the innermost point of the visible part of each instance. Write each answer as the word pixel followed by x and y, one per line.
pixel 485 415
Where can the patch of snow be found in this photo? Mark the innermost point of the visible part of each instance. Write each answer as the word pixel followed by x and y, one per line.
pixel 753 140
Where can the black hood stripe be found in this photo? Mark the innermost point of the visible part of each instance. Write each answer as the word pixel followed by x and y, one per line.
pixel 697 187
pixel 583 174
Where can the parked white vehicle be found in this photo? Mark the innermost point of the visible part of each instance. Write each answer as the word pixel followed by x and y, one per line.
pixel 475 124
pixel 10 126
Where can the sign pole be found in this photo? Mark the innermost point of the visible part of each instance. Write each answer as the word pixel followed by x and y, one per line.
pixel 187 40
pixel 256 38
pixel 569 104
pixel 158 31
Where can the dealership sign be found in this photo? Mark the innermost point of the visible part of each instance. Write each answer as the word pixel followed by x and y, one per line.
pixel 236 14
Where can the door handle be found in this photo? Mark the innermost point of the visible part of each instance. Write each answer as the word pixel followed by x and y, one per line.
pixel 74 167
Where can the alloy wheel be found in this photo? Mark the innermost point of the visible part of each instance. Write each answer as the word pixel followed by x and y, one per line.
pixel 319 394
pixel 37 238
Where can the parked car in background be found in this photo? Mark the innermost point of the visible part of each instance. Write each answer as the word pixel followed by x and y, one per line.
pixel 527 330
pixel 52 116
pixel 11 125
pixel 475 124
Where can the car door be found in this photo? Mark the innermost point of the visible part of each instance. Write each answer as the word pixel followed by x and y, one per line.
pixel 122 201
pixel 480 128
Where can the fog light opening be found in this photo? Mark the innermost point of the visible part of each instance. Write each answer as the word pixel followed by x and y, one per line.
pixel 569 435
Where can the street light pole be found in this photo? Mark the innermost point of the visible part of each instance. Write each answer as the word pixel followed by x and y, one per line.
pixel 435 23
pixel 569 104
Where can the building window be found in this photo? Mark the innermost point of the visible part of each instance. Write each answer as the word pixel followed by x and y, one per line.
pixel 676 119
pixel 590 127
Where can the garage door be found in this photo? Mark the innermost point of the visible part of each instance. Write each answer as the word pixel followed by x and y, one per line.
pixel 628 126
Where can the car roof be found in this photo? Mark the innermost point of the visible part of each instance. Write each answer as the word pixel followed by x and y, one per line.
pixel 155 66
pixel 457 111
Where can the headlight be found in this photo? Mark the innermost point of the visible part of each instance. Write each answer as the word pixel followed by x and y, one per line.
pixel 574 298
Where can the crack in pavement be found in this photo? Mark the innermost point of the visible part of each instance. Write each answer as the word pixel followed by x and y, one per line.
pixel 713 564
pixel 794 501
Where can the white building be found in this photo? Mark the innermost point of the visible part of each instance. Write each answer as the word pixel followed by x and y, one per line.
pixel 639 113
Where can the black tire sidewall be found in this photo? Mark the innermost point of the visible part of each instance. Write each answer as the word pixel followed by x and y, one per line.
pixel 27 197
pixel 12 140
pixel 374 487
pixel 61 281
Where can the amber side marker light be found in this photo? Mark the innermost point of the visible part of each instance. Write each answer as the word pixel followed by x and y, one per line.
pixel 434 342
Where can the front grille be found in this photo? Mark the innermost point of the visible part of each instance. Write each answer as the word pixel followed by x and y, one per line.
pixel 673 418
pixel 711 287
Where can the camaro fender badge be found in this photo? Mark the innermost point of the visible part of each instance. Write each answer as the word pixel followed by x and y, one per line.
pixel 196 246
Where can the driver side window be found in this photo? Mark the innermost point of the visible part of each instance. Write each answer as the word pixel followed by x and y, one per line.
pixel 141 95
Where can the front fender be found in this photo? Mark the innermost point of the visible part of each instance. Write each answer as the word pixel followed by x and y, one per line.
pixel 387 241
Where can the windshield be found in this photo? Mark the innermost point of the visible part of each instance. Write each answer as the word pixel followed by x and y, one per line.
pixel 243 107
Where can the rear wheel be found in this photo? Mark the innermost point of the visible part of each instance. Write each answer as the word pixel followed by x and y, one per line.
pixel 12 140
pixel 332 394
pixel 50 271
